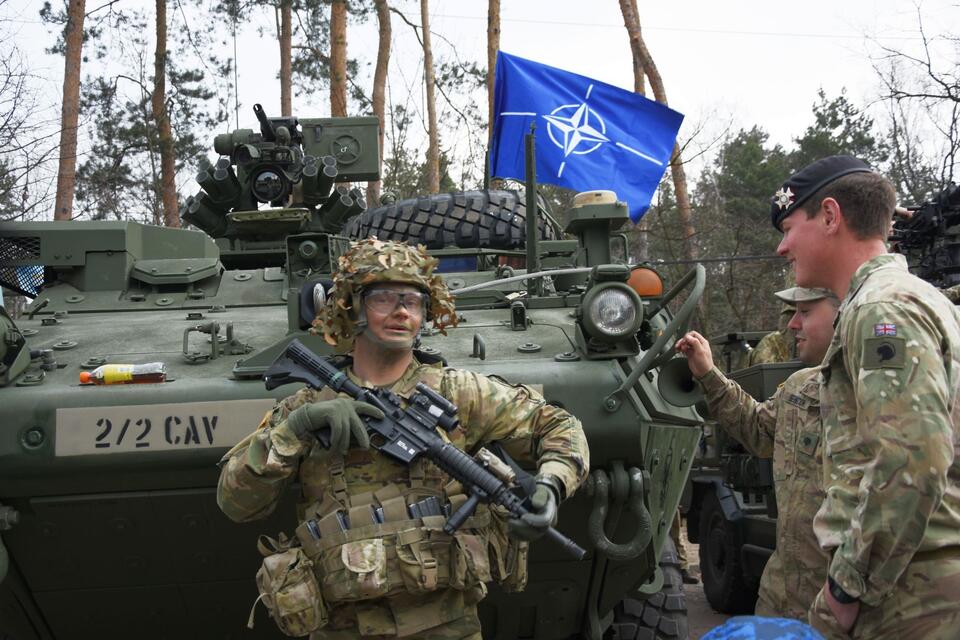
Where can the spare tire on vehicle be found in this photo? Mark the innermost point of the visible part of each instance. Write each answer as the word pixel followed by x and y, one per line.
pixel 486 219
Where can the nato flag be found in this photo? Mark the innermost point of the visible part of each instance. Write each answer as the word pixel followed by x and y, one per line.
pixel 590 135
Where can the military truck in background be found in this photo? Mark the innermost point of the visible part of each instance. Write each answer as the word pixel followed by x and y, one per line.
pixel 109 526
pixel 729 501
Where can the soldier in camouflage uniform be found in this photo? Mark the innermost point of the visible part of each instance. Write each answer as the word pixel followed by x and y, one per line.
pixel 787 428
pixel 404 577
pixel 889 404
pixel 952 293
pixel 684 562
pixel 776 346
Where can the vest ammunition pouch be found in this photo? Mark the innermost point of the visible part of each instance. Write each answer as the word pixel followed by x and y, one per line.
pixel 508 555
pixel 288 587
pixel 406 556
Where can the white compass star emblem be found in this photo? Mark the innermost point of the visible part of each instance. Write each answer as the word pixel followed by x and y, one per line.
pixel 579 129
pixel 576 129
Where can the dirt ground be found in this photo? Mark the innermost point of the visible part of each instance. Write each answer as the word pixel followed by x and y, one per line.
pixel 701 617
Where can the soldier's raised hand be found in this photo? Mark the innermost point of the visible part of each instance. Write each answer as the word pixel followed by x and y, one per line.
pixel 341 416
pixel 696 348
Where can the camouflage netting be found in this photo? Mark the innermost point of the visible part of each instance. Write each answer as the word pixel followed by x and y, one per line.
pixel 371 261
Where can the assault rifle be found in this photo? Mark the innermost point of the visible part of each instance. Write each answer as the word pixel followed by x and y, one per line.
pixel 930 238
pixel 406 434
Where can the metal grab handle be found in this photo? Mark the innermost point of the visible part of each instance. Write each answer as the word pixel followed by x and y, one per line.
pixel 654 356
pixel 599 487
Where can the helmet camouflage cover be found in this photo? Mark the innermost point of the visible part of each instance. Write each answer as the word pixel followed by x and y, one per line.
pixel 370 261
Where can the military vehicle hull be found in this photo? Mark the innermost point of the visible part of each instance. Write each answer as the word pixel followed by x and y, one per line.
pixel 119 532
pixel 109 526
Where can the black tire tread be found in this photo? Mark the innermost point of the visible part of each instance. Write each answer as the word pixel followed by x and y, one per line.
pixel 728 592
pixel 662 616
pixel 485 219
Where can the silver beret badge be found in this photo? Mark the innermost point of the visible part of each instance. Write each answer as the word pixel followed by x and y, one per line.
pixel 783 198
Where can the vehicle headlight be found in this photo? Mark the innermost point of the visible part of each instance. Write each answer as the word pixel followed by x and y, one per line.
pixel 612 311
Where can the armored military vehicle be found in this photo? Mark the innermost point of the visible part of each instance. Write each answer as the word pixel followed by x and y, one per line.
pixel 929 237
pixel 109 522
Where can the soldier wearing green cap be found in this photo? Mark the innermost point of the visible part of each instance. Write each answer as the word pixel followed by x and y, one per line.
pixel 403 577
pixel 785 427
pixel 889 404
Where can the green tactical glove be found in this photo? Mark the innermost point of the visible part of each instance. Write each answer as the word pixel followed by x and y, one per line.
pixel 543 511
pixel 341 416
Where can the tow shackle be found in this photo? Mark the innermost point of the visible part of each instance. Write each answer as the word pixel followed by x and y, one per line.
pixel 629 482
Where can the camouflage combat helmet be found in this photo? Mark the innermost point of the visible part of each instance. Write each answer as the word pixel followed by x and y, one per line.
pixel 370 261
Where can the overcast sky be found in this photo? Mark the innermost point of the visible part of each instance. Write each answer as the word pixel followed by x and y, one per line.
pixel 749 61
pixel 734 62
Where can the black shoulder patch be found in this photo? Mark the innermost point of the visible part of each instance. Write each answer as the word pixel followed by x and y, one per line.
pixel 884 353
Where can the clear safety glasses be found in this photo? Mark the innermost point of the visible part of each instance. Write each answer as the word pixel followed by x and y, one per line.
pixel 388 300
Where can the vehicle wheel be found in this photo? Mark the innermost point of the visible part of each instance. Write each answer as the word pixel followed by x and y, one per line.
pixel 471 219
pixel 661 616
pixel 720 566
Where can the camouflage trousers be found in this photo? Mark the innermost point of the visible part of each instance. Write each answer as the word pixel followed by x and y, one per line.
pixel 924 605
pixel 404 617
pixel 675 536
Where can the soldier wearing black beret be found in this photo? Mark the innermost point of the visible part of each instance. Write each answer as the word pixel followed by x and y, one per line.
pixel 889 406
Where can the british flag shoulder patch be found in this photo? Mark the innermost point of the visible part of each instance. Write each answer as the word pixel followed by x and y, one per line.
pixel 884 329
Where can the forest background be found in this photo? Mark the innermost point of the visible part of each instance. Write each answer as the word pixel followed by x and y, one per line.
pixel 107 106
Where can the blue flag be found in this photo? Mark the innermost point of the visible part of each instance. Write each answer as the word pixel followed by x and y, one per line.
pixel 590 135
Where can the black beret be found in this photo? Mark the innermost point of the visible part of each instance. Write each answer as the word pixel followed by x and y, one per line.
pixel 806 182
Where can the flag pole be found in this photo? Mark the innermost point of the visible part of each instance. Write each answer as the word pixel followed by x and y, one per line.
pixel 533 287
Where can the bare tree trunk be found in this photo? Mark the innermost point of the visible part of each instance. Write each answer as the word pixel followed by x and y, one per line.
pixel 286 27
pixel 379 87
pixel 433 150
pixel 67 170
pixel 338 58
pixel 168 169
pixel 493 45
pixel 676 164
pixel 631 20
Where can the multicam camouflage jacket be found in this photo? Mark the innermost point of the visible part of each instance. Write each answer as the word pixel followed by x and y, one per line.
pixel 890 416
pixel 396 602
pixel 952 293
pixel 256 471
pixel 785 427
pixel 776 346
